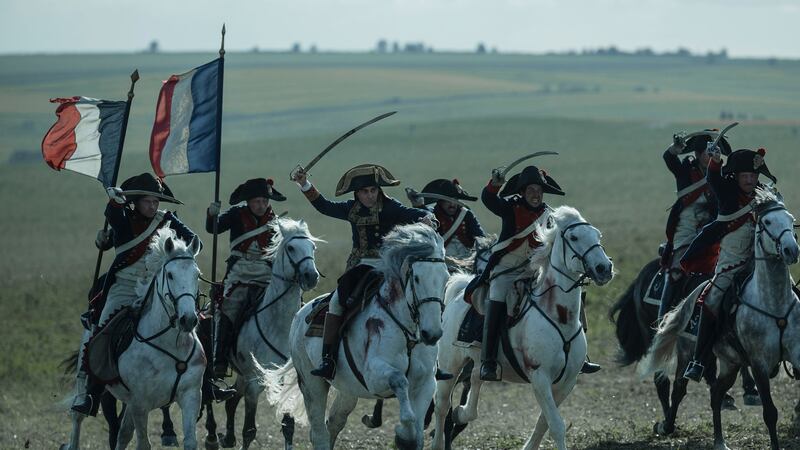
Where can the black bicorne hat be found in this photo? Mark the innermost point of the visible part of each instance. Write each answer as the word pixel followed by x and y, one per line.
pixel 699 143
pixel 746 160
pixel 363 176
pixel 146 182
pixel 257 187
pixel 448 188
pixel 531 175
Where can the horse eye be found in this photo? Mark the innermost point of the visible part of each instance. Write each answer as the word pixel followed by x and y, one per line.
pixel 573 238
pixel 767 222
pixel 291 249
pixel 416 279
pixel 169 275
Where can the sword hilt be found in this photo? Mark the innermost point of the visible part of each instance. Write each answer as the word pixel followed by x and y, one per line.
pixel 298 169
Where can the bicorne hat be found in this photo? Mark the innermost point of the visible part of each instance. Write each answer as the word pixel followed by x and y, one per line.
pixel 746 160
pixel 363 176
pixel 698 144
pixel 531 175
pixel 448 188
pixel 146 182
pixel 257 187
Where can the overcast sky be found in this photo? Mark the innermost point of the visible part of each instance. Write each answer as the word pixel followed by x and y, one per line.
pixel 760 28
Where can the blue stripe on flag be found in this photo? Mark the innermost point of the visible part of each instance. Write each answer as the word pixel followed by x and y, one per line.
pixel 112 115
pixel 201 151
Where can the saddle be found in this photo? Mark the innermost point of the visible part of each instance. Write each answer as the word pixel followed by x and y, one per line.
pixel 356 299
pixel 102 352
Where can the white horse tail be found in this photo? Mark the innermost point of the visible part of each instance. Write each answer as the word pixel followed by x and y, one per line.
pixel 661 355
pixel 283 392
pixel 455 285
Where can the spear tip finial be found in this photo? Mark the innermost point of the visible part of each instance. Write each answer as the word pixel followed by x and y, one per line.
pixel 135 76
pixel 222 46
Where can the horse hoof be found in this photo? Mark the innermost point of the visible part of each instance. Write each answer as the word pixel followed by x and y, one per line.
pixel 212 443
pixel 752 399
pixel 729 404
pixel 225 441
pixel 660 429
pixel 366 419
pixel 169 441
pixel 404 444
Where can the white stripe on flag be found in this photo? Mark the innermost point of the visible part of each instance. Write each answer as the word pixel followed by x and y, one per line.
pixel 86 158
pixel 174 158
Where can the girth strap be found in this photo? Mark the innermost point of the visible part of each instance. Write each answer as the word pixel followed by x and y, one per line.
pixel 780 321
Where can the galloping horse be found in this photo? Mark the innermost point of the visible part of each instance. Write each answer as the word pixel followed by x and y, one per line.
pixel 263 340
pixel 388 347
pixel 763 327
pixel 165 361
pixel 548 342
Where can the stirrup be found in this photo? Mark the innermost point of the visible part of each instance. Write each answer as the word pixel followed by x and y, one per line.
pixel 489 371
pixel 442 375
pixel 219 393
pixel 85 406
pixel 326 370
pixel 694 371
pixel 590 367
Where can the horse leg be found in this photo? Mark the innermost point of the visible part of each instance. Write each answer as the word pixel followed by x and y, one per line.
pixel 287 429
pixel 315 396
pixel 441 409
pixel 75 435
pixel 559 394
pixel 212 442
pixel 543 391
pixel 661 380
pixel 109 406
pixel 750 395
pixel 340 409
pixel 251 393
pixel 420 398
pixel 190 403
pixel 451 428
pixel 125 430
pixel 168 436
pixel 468 412
pixel 770 413
pixel 725 379
pixel 228 440
pixel 405 436
pixel 376 418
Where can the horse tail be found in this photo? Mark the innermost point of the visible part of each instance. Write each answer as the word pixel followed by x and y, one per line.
pixel 662 355
pixel 633 337
pixel 283 392
pixel 70 363
pixel 455 285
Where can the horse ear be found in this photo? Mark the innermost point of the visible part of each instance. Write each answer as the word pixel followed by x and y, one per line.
pixel 194 246
pixel 169 246
pixel 550 222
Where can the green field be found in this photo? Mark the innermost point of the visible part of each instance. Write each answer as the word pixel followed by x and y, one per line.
pixel 460 115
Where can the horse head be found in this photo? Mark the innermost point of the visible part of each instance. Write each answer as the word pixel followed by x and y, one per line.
pixel 178 277
pixel 775 227
pixel 292 253
pixel 576 245
pixel 412 256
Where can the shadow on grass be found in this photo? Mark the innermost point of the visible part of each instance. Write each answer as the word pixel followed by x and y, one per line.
pixel 651 444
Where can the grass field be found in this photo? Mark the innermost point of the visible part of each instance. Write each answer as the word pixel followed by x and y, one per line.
pixel 459 116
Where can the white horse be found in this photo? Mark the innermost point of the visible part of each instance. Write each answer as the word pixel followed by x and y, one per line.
pixel 391 344
pixel 264 339
pixel 549 346
pixel 763 331
pixel 165 361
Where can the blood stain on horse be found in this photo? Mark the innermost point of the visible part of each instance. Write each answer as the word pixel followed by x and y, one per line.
pixel 374 327
pixel 528 361
pixel 564 314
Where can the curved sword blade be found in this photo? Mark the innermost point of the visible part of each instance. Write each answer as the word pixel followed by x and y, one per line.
pixel 722 133
pixel 333 144
pixel 505 171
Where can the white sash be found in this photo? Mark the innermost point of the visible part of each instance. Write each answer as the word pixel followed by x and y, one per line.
pixel 249 234
pixel 528 230
pixel 692 187
pixel 144 235
pixel 456 224
pixel 733 216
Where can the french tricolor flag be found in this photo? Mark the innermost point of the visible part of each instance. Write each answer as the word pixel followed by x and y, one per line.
pixel 85 137
pixel 184 138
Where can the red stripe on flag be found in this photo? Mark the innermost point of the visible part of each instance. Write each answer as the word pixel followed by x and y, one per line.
pixel 161 126
pixel 59 143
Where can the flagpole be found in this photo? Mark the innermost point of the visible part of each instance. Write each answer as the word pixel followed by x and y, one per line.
pixel 134 79
pixel 216 185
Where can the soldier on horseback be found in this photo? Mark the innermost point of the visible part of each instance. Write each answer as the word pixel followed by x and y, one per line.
pixel 727 243
pixel 693 209
pixel 248 273
pixel 372 214
pixel 134 218
pixel 457 224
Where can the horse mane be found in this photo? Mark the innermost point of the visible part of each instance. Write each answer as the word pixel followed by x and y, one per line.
pixel 561 217
pixel 404 241
pixel 482 243
pixel 765 199
pixel 157 256
pixel 283 230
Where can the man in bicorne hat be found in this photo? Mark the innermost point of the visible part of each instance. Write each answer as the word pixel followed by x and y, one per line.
pixel 134 219
pixel 726 244
pixel 248 273
pixel 458 225
pixel 694 208
pixel 372 214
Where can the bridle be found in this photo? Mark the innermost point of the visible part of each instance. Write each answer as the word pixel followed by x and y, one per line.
pixel 761 228
pixel 565 244
pixel 294 264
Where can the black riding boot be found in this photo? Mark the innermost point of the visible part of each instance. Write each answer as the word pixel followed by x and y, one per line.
pixel 222 344
pixel 666 294
pixel 705 335
pixel 330 347
pixel 589 366
pixel 88 402
pixel 495 316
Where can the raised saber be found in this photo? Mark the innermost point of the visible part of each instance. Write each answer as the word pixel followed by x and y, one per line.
pixel 412 194
pixel 722 133
pixel 508 168
pixel 333 144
